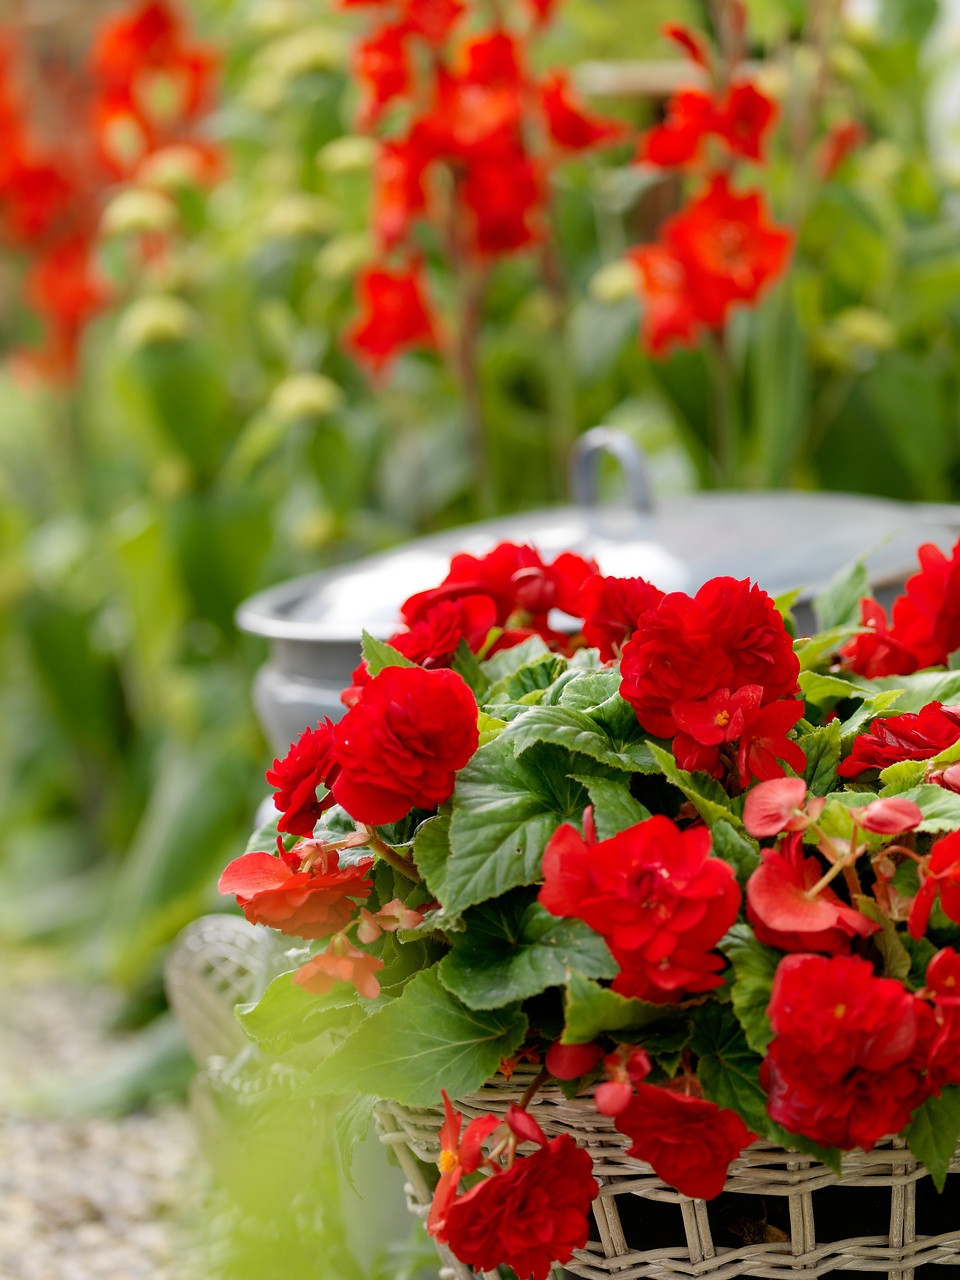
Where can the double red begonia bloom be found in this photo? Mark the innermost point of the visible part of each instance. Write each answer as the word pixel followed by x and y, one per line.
pixel 399 747
pixel 925 627
pixel 341 962
pixel 729 635
pixel 939 872
pixel 943 984
pixel 611 609
pixel 688 1141
pixel 395 315
pixel 523 588
pixel 784 916
pixel 310 763
pixel 846 1066
pixel 656 896
pixel 433 638
pixel 911 736
pixel 530 1216
pixel 302 904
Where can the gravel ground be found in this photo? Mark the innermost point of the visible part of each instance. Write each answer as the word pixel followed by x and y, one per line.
pixel 81 1199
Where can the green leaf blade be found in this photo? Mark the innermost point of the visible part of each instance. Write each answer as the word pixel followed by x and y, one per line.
pixel 425 1041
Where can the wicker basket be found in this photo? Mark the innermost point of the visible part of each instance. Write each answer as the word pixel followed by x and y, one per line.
pixel 785 1203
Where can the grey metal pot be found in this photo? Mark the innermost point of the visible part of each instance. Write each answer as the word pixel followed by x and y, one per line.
pixel 780 539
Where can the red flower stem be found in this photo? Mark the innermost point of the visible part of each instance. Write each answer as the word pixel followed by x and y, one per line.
pixel 533 1088
pixel 396 860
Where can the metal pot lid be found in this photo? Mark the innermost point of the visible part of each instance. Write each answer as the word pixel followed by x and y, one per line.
pixel 780 539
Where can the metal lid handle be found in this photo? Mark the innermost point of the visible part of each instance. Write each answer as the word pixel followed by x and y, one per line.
pixel 585 468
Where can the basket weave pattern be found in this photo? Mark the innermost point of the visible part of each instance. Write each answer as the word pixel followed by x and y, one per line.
pixel 761 1170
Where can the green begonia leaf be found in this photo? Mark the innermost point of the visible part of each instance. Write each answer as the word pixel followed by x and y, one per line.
pixel 505 809
pixel 708 797
pixel 924 687
pixel 378 655
pixel 425 1041
pixel 286 1015
pixel 578 732
pixel 508 661
pixel 737 848
pixel 530 682
pixel 614 808
pixel 431 852
pixel 934 1132
pixel 513 949
pixel 468 668
pixel 754 966
pixel 353 1121
pixel 838 604
pixel 822 749
pixel 590 1010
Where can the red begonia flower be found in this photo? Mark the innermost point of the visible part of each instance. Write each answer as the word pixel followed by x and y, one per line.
pixel 780 805
pixel 529 1217
pixel 934 593
pixel 490 575
pixel 943 984
pixel 764 744
pixel 301 904
pixel 569 124
pixel 948 778
pixel 784 916
pixel 719 717
pixel 433 639
pixel 571 1061
pixel 888 815
pixel 728 636
pixel 939 872
pixel 308 764
pixel 341 962
pixel 456 1158
pixel 627 1066
pixel 688 1141
pixel 729 246
pixel 611 609
pixel 911 736
pixel 395 315
pixel 399 747
pixel 655 895
pixel 880 652
pixel 744 119
pixel 846 1065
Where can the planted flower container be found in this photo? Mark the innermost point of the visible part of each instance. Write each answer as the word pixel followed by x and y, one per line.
pixel 639 939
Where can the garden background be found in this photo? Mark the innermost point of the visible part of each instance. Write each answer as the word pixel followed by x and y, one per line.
pixel 197 418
